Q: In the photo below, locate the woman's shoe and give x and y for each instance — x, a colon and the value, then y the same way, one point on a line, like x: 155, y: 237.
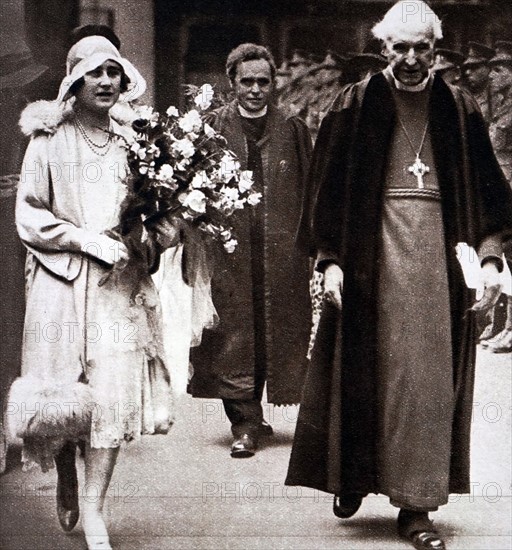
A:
x: 67, y: 518
x: 97, y: 542
x: 346, y: 506
x: 67, y: 488
x: 95, y: 531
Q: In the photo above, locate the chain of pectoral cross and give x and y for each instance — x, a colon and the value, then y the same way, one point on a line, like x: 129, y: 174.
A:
x: 418, y: 168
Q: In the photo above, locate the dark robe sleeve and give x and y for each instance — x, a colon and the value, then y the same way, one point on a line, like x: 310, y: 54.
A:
x: 328, y: 179
x: 490, y: 250
x: 304, y: 145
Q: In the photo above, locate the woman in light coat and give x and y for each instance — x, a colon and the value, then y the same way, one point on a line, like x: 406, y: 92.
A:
x: 92, y: 349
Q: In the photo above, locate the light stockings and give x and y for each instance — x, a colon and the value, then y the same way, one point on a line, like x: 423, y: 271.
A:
x: 99, y: 466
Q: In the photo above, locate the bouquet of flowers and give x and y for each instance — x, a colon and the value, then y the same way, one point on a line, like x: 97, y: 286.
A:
x: 181, y: 168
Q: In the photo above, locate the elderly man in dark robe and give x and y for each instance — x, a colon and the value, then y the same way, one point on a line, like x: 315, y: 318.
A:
x: 404, y: 171
x: 261, y: 290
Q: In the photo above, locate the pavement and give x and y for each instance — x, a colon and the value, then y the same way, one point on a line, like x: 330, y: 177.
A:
x: 183, y: 491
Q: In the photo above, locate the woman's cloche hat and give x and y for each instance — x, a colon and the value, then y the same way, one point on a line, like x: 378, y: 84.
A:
x: 91, y: 52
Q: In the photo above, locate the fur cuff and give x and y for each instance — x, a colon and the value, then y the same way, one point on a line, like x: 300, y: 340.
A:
x: 36, y: 410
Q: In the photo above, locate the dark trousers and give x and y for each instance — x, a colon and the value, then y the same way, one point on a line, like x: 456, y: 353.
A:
x: 245, y: 416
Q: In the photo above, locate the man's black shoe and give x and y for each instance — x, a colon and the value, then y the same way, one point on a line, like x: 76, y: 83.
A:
x: 244, y: 447
x: 346, y: 506
x: 266, y: 429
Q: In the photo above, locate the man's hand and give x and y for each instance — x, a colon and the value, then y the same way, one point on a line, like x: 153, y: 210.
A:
x: 167, y: 233
x: 333, y: 284
x: 490, y: 277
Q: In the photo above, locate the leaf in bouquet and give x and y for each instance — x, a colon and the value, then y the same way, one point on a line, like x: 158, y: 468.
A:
x: 106, y: 277
x: 114, y: 234
x: 163, y: 143
x: 141, y: 125
x: 190, y: 90
x: 136, y: 181
x: 155, y: 131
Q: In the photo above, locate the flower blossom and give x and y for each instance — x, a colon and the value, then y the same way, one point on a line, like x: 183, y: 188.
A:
x: 165, y: 173
x: 172, y: 111
x: 195, y: 201
x: 246, y: 181
x: 182, y: 165
x: 204, y: 98
x: 230, y: 193
x: 184, y: 146
x: 254, y: 198
x: 209, y: 131
x: 145, y: 111
x: 230, y: 246
x: 190, y: 121
x: 228, y: 166
x: 200, y: 180
x: 225, y: 235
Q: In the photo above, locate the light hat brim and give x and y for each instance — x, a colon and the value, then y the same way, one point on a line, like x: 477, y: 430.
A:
x: 136, y: 86
x: 443, y: 66
x: 501, y: 59
x: 474, y: 61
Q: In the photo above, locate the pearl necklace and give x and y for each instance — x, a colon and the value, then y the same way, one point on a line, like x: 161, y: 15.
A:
x: 82, y: 193
x: 97, y: 148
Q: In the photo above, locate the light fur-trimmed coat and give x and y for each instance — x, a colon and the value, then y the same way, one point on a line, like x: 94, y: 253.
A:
x: 75, y: 330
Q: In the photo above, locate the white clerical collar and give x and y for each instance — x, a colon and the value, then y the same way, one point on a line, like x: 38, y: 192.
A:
x: 252, y: 114
x: 400, y: 86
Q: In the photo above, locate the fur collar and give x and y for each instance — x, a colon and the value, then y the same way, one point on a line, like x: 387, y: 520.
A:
x: 44, y: 117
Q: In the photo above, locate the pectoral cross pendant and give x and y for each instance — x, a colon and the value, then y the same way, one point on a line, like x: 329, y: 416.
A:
x: 419, y: 169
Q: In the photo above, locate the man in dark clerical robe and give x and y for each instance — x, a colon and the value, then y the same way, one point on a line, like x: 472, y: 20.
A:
x: 402, y: 171
x: 261, y: 290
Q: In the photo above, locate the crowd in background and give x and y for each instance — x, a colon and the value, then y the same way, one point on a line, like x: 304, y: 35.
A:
x: 307, y: 83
